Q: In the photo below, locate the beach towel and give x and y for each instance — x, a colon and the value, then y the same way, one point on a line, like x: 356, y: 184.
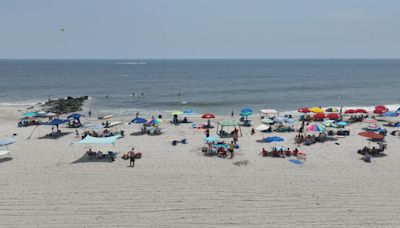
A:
x: 295, y: 161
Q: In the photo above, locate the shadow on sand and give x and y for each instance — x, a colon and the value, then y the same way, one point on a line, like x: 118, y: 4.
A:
x: 86, y: 159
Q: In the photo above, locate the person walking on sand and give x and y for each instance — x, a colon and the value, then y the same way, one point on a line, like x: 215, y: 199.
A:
x: 90, y: 113
x: 131, y: 155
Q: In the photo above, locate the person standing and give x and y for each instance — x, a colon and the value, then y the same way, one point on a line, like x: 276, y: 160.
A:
x: 131, y: 155
x: 90, y: 113
x: 231, y: 148
x: 232, y: 113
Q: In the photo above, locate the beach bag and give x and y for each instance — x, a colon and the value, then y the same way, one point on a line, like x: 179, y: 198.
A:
x: 138, y: 155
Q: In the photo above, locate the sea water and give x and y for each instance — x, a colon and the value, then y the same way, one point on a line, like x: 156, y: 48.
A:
x: 217, y: 86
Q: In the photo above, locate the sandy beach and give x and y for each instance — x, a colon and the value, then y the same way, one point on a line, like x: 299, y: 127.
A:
x: 48, y: 184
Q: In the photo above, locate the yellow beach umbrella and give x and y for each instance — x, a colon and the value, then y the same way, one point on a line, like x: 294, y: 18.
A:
x: 177, y: 113
x: 316, y: 110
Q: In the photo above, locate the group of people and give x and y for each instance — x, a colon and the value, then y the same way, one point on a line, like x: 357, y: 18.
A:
x: 279, y: 153
x: 309, y: 139
x: 104, y: 133
x: 223, y: 152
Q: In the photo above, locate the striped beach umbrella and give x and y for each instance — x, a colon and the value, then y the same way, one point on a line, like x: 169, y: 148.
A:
x: 316, y: 127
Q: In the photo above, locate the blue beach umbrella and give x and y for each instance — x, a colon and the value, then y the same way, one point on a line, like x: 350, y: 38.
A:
x: 188, y: 112
x: 342, y: 123
x: 273, y: 139
x: 138, y: 121
x: 212, y: 139
x: 390, y: 114
x: 246, y: 113
x: 29, y: 114
x: 56, y: 122
x: 247, y: 110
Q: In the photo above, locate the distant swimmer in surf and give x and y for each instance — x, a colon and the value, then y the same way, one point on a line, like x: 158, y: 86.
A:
x: 133, y: 94
x: 142, y: 94
x: 107, y: 96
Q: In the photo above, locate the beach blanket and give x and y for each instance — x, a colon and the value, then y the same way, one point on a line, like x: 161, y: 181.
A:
x: 295, y: 161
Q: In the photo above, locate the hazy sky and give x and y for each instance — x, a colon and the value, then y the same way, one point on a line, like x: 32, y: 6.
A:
x: 200, y: 29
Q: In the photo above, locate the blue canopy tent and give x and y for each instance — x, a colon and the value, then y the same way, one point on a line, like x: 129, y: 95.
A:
x: 75, y: 116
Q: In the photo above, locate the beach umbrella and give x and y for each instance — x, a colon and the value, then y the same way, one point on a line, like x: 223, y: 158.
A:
x: 154, y: 121
x: 7, y: 141
x: 247, y: 110
x: 138, y: 120
x: 316, y: 127
x: 279, y: 119
x: 41, y: 114
x: 212, y: 139
x: 208, y: 116
x: 267, y: 121
x: 379, y: 111
x: 333, y: 116
x: 360, y: 110
x: 188, y: 112
x: 178, y: 113
x: 50, y: 114
x: 331, y: 110
x: 319, y: 115
x: 342, y: 123
x: 398, y: 110
x: 246, y: 113
x: 350, y: 111
x: 269, y: 111
x: 56, y: 122
x: 304, y: 110
x: 329, y: 123
x: 373, y: 127
x: 371, y: 135
x: 316, y: 110
x: 289, y: 120
x: 381, y: 107
x: 29, y: 114
x: 74, y: 116
x: 370, y: 120
x: 262, y: 127
x: 273, y: 139
x: 390, y: 114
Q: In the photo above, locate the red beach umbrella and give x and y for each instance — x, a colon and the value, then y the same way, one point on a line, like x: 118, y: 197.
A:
x: 371, y: 135
x: 379, y: 111
x: 380, y: 107
x: 304, y: 110
x: 360, y: 110
x: 319, y: 115
x: 333, y: 116
x: 208, y: 116
x: 350, y: 111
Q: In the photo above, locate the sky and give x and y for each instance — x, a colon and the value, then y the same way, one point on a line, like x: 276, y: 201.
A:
x: 199, y: 29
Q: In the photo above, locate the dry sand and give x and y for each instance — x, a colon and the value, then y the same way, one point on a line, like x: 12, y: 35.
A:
x: 176, y: 186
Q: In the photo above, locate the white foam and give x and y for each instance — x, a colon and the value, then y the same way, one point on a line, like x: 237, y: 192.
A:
x: 132, y: 63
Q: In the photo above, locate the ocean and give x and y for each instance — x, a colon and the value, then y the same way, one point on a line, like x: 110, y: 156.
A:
x: 217, y: 86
